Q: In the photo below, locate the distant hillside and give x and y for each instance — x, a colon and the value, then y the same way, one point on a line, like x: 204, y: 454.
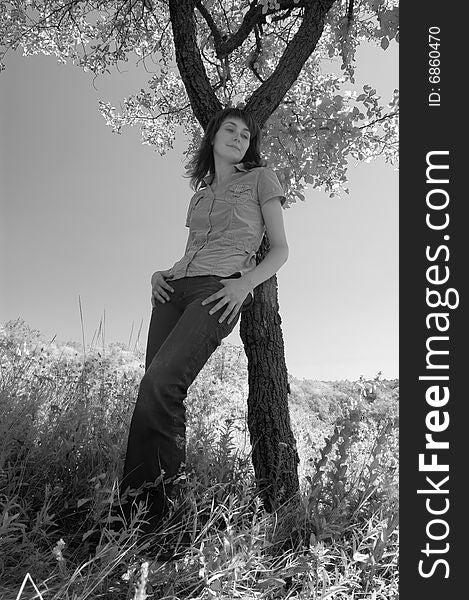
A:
x: 223, y: 380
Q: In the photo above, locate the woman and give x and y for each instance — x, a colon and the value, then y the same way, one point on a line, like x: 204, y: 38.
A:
x: 197, y: 302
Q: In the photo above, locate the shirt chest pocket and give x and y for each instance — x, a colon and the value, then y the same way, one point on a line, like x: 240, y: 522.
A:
x: 239, y: 193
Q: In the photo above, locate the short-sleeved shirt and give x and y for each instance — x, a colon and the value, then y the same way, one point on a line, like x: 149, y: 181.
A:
x: 226, y: 228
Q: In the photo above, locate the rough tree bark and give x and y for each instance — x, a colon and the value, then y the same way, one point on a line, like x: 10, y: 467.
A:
x: 274, y: 453
x: 275, y: 457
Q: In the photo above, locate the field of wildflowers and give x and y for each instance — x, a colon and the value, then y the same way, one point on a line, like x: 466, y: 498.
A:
x: 65, y: 414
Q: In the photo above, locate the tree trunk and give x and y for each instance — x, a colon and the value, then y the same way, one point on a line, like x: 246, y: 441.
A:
x: 274, y: 453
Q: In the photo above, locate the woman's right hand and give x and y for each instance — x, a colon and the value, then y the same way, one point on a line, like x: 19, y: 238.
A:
x: 159, y: 287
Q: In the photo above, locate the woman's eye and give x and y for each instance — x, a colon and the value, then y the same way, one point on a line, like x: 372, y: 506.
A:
x: 230, y: 130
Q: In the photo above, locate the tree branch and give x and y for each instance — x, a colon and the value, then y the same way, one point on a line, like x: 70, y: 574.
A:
x: 224, y: 44
x: 268, y: 96
x: 255, y: 55
x: 386, y: 116
x: 189, y: 61
x: 210, y: 22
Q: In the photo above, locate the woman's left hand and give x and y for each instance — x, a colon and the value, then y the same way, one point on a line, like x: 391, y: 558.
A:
x: 232, y: 296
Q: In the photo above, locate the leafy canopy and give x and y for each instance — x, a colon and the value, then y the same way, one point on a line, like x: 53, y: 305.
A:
x: 320, y: 123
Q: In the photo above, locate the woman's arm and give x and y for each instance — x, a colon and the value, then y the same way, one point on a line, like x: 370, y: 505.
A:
x: 278, y: 253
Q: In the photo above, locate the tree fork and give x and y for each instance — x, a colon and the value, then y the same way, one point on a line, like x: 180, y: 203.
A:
x: 266, y: 99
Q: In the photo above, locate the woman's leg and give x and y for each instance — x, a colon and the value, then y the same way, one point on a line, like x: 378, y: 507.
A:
x: 163, y: 318
x: 157, y: 433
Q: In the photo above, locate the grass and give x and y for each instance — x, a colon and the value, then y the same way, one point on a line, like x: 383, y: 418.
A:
x: 63, y: 431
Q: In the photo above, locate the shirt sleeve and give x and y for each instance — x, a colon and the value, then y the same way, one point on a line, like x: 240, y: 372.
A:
x: 188, y: 217
x: 268, y: 186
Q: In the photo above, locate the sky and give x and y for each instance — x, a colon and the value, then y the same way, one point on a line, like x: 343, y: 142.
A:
x: 86, y: 217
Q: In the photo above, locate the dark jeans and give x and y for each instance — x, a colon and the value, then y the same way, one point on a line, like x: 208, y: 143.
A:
x: 182, y: 336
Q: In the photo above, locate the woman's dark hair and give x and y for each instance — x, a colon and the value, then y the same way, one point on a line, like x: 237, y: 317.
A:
x: 202, y: 162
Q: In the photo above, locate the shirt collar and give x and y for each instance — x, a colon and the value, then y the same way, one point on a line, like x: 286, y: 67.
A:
x: 209, y: 177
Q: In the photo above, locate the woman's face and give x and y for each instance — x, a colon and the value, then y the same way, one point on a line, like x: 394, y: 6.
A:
x: 231, y: 141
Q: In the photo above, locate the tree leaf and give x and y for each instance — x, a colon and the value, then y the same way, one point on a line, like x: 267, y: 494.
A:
x: 384, y: 43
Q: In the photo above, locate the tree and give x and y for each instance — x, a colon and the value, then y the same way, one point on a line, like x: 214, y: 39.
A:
x: 265, y: 55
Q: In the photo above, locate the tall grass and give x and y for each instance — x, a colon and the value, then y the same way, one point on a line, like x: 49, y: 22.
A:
x: 64, y: 425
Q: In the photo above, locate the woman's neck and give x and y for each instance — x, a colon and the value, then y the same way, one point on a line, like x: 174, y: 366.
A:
x: 223, y: 171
